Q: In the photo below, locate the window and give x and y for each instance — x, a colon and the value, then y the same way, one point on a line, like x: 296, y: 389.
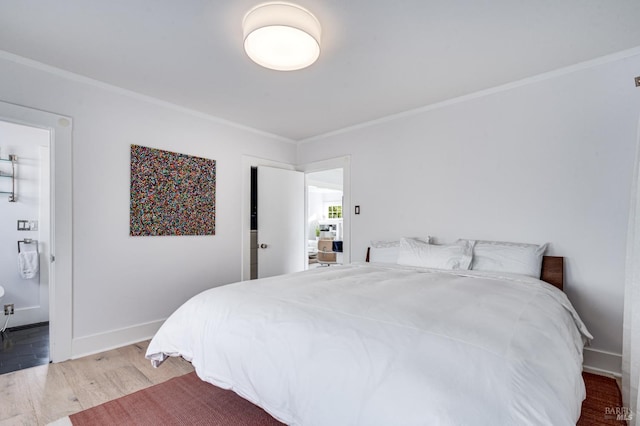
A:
x: 335, y: 212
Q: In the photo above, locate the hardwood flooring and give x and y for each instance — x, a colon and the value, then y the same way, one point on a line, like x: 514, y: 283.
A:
x: 24, y: 347
x: 46, y: 393
x: 43, y: 394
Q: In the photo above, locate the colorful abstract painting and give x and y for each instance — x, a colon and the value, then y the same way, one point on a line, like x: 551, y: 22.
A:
x: 171, y: 193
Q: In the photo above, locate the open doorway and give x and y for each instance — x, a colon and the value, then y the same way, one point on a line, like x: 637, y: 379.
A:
x: 325, y: 222
x: 24, y: 252
x: 331, y: 180
x: 58, y: 261
x: 306, y: 234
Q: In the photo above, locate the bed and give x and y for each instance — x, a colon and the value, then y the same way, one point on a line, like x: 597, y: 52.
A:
x: 382, y: 343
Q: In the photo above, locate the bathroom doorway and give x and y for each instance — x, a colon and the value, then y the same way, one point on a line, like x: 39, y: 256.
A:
x: 60, y: 262
x: 25, y: 233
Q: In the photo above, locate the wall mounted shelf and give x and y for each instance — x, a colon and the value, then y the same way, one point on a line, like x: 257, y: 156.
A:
x: 13, y: 160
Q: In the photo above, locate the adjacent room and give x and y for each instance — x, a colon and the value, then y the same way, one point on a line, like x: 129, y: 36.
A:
x: 325, y: 224
x: 428, y: 217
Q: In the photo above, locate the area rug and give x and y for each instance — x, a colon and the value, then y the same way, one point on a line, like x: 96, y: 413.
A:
x: 603, y: 405
x: 184, y: 400
x: 187, y: 400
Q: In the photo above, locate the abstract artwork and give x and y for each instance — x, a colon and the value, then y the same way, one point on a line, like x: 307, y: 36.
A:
x: 171, y: 193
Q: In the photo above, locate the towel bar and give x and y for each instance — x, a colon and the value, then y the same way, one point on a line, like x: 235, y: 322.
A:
x: 13, y: 159
x: 28, y: 241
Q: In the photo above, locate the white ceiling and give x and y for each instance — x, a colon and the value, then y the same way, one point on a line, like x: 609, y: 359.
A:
x: 378, y: 57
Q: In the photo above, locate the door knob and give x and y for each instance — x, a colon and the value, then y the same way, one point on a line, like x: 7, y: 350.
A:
x: 263, y: 246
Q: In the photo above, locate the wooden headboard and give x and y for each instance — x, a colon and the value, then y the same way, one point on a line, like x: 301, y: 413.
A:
x: 552, y: 270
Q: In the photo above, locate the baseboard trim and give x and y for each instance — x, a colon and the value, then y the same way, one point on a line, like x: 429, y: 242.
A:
x: 96, y: 343
x: 27, y: 326
x: 26, y: 316
x: 602, y: 362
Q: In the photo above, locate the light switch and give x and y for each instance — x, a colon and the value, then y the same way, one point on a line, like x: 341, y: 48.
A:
x: 27, y: 225
x: 357, y: 209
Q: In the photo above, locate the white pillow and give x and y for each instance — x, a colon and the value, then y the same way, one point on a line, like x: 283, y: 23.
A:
x: 516, y: 258
x: 387, y: 251
x: 418, y: 253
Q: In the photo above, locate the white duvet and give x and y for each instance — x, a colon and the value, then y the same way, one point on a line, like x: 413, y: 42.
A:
x: 369, y: 344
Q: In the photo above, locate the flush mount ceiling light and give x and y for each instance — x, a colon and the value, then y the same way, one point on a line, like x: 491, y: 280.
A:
x: 281, y: 36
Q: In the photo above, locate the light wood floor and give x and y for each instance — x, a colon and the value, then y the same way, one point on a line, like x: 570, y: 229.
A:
x: 43, y: 394
x: 40, y: 395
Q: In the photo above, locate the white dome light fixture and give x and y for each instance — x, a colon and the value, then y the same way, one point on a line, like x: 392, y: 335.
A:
x: 281, y: 36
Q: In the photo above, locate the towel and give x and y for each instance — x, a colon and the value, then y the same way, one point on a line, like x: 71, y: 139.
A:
x: 28, y: 262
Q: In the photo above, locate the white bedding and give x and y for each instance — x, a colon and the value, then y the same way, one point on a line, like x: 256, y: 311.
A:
x: 380, y: 344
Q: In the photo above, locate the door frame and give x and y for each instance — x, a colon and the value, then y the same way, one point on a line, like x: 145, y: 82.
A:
x: 343, y: 163
x: 61, y: 224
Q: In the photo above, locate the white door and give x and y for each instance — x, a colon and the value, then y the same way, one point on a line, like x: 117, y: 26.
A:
x: 281, y: 242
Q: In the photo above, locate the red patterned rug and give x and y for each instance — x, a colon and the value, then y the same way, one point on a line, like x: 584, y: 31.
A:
x: 187, y: 400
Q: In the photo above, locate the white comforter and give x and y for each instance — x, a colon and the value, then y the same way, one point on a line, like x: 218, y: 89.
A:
x: 386, y: 345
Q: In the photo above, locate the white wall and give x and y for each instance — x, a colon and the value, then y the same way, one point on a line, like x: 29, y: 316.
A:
x: 546, y: 161
x: 123, y: 286
x: 30, y: 301
x: 314, y: 212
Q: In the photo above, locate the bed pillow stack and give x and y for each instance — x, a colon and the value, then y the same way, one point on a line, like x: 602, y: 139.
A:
x: 425, y: 255
x: 515, y: 258
x: 387, y: 251
x: 493, y: 256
